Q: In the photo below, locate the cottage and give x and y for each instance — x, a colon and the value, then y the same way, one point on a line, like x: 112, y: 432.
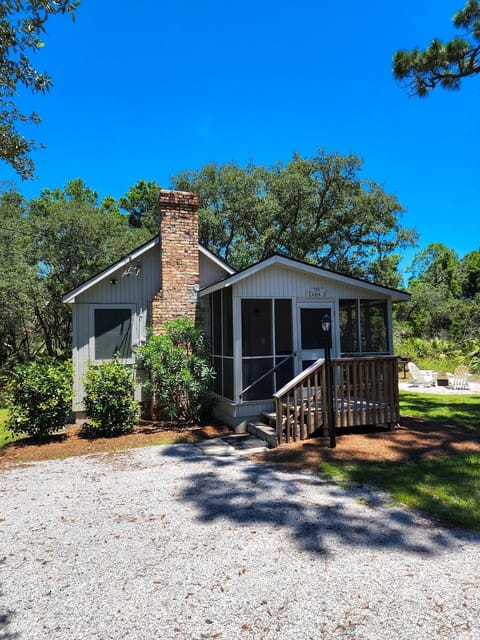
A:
x: 265, y: 325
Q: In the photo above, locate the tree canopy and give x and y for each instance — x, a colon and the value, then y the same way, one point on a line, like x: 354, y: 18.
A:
x: 21, y: 26
x: 314, y: 209
x: 48, y: 246
x: 443, y: 64
x: 445, y: 295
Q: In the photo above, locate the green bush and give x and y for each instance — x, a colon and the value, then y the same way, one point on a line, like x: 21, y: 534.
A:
x: 109, y: 398
x: 39, y: 397
x: 178, y: 370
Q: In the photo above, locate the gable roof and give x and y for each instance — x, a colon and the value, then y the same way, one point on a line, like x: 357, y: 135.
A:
x: 304, y: 267
x: 70, y: 296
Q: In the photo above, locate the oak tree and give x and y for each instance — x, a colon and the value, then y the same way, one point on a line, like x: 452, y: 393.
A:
x: 22, y: 24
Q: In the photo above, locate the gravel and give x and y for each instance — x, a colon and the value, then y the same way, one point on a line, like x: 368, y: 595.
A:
x: 176, y: 542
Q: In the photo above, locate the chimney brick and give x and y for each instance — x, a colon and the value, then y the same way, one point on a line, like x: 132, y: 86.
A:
x: 179, y: 259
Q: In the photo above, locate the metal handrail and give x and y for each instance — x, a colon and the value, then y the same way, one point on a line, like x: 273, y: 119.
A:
x: 264, y: 375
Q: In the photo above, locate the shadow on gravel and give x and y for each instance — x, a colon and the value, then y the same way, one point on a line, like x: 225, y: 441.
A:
x: 316, y: 513
x: 5, y: 616
x: 4, y: 633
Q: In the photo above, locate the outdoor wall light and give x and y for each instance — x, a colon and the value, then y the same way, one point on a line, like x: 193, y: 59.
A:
x: 326, y: 323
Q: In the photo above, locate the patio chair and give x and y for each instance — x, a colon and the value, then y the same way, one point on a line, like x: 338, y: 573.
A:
x: 458, y: 380
x: 422, y: 377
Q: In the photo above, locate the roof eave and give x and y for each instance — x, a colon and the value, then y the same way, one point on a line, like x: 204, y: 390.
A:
x: 394, y: 294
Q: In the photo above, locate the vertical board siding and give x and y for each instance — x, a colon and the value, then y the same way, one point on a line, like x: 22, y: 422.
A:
x: 279, y: 282
x: 210, y: 271
x: 132, y: 289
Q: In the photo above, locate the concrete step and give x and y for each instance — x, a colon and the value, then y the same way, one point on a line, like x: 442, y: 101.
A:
x: 269, y: 418
x: 263, y: 431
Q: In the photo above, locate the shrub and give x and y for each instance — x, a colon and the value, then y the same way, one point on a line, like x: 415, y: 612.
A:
x: 109, y: 398
x: 179, y: 374
x: 39, y: 397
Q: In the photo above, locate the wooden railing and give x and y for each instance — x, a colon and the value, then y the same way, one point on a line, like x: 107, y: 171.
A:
x: 364, y: 392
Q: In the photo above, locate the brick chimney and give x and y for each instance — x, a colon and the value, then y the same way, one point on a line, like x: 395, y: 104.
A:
x: 179, y: 258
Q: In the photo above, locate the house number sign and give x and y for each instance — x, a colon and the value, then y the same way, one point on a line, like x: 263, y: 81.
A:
x: 316, y: 292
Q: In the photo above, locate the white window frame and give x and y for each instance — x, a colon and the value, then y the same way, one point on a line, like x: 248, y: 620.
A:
x: 134, y: 333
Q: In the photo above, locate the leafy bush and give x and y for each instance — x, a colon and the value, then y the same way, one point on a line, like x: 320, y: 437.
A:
x: 179, y: 374
x: 438, y: 354
x: 39, y: 397
x: 109, y: 398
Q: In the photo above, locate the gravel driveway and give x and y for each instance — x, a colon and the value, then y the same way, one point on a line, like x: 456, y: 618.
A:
x: 174, y: 543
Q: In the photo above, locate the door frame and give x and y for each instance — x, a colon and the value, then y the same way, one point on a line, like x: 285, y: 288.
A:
x: 312, y: 354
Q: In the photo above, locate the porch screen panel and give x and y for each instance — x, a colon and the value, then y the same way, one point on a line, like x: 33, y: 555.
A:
x: 113, y: 333
x: 221, y: 339
x: 228, y: 377
x: 374, y: 327
x: 283, y: 342
x: 348, y: 326
x: 227, y: 323
x: 283, y: 327
x: 217, y: 364
x: 252, y: 370
x: 311, y: 328
x: 256, y: 327
x: 216, y: 310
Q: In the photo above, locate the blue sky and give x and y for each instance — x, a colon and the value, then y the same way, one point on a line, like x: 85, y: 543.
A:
x: 149, y: 89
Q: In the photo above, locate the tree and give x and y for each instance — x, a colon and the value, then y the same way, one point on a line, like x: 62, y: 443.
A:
x: 17, y: 281
x: 470, y: 274
x: 21, y: 25
x: 435, y: 266
x: 141, y: 203
x: 445, y: 296
x: 444, y: 64
x: 312, y: 209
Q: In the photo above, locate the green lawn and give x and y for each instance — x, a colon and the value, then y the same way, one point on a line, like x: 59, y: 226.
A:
x: 459, y: 410
x: 5, y: 436
x: 448, y: 487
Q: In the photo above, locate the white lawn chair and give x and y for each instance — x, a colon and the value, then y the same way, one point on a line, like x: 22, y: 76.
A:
x: 422, y: 377
x: 458, y: 380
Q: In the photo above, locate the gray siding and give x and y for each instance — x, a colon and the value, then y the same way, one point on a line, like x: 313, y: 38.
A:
x: 210, y: 271
x: 128, y: 290
x: 134, y: 290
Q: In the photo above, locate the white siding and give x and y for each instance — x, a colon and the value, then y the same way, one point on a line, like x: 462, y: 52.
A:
x: 279, y: 281
x: 239, y: 415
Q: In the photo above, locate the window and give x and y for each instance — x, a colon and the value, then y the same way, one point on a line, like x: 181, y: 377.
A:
x: 112, y: 333
x: 363, y: 326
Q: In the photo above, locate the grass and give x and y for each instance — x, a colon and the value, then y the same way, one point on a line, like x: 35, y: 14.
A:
x: 460, y: 411
x: 448, y: 486
x: 6, y: 436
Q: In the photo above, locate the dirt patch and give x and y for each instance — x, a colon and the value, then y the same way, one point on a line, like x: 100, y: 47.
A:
x: 413, y: 440
x: 72, y: 442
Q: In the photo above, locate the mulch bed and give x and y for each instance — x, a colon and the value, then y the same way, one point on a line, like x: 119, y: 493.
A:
x: 73, y: 442
x: 414, y: 439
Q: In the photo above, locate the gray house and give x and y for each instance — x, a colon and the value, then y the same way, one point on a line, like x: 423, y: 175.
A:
x: 264, y: 323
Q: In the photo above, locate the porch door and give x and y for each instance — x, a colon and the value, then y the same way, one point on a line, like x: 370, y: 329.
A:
x: 310, y: 334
